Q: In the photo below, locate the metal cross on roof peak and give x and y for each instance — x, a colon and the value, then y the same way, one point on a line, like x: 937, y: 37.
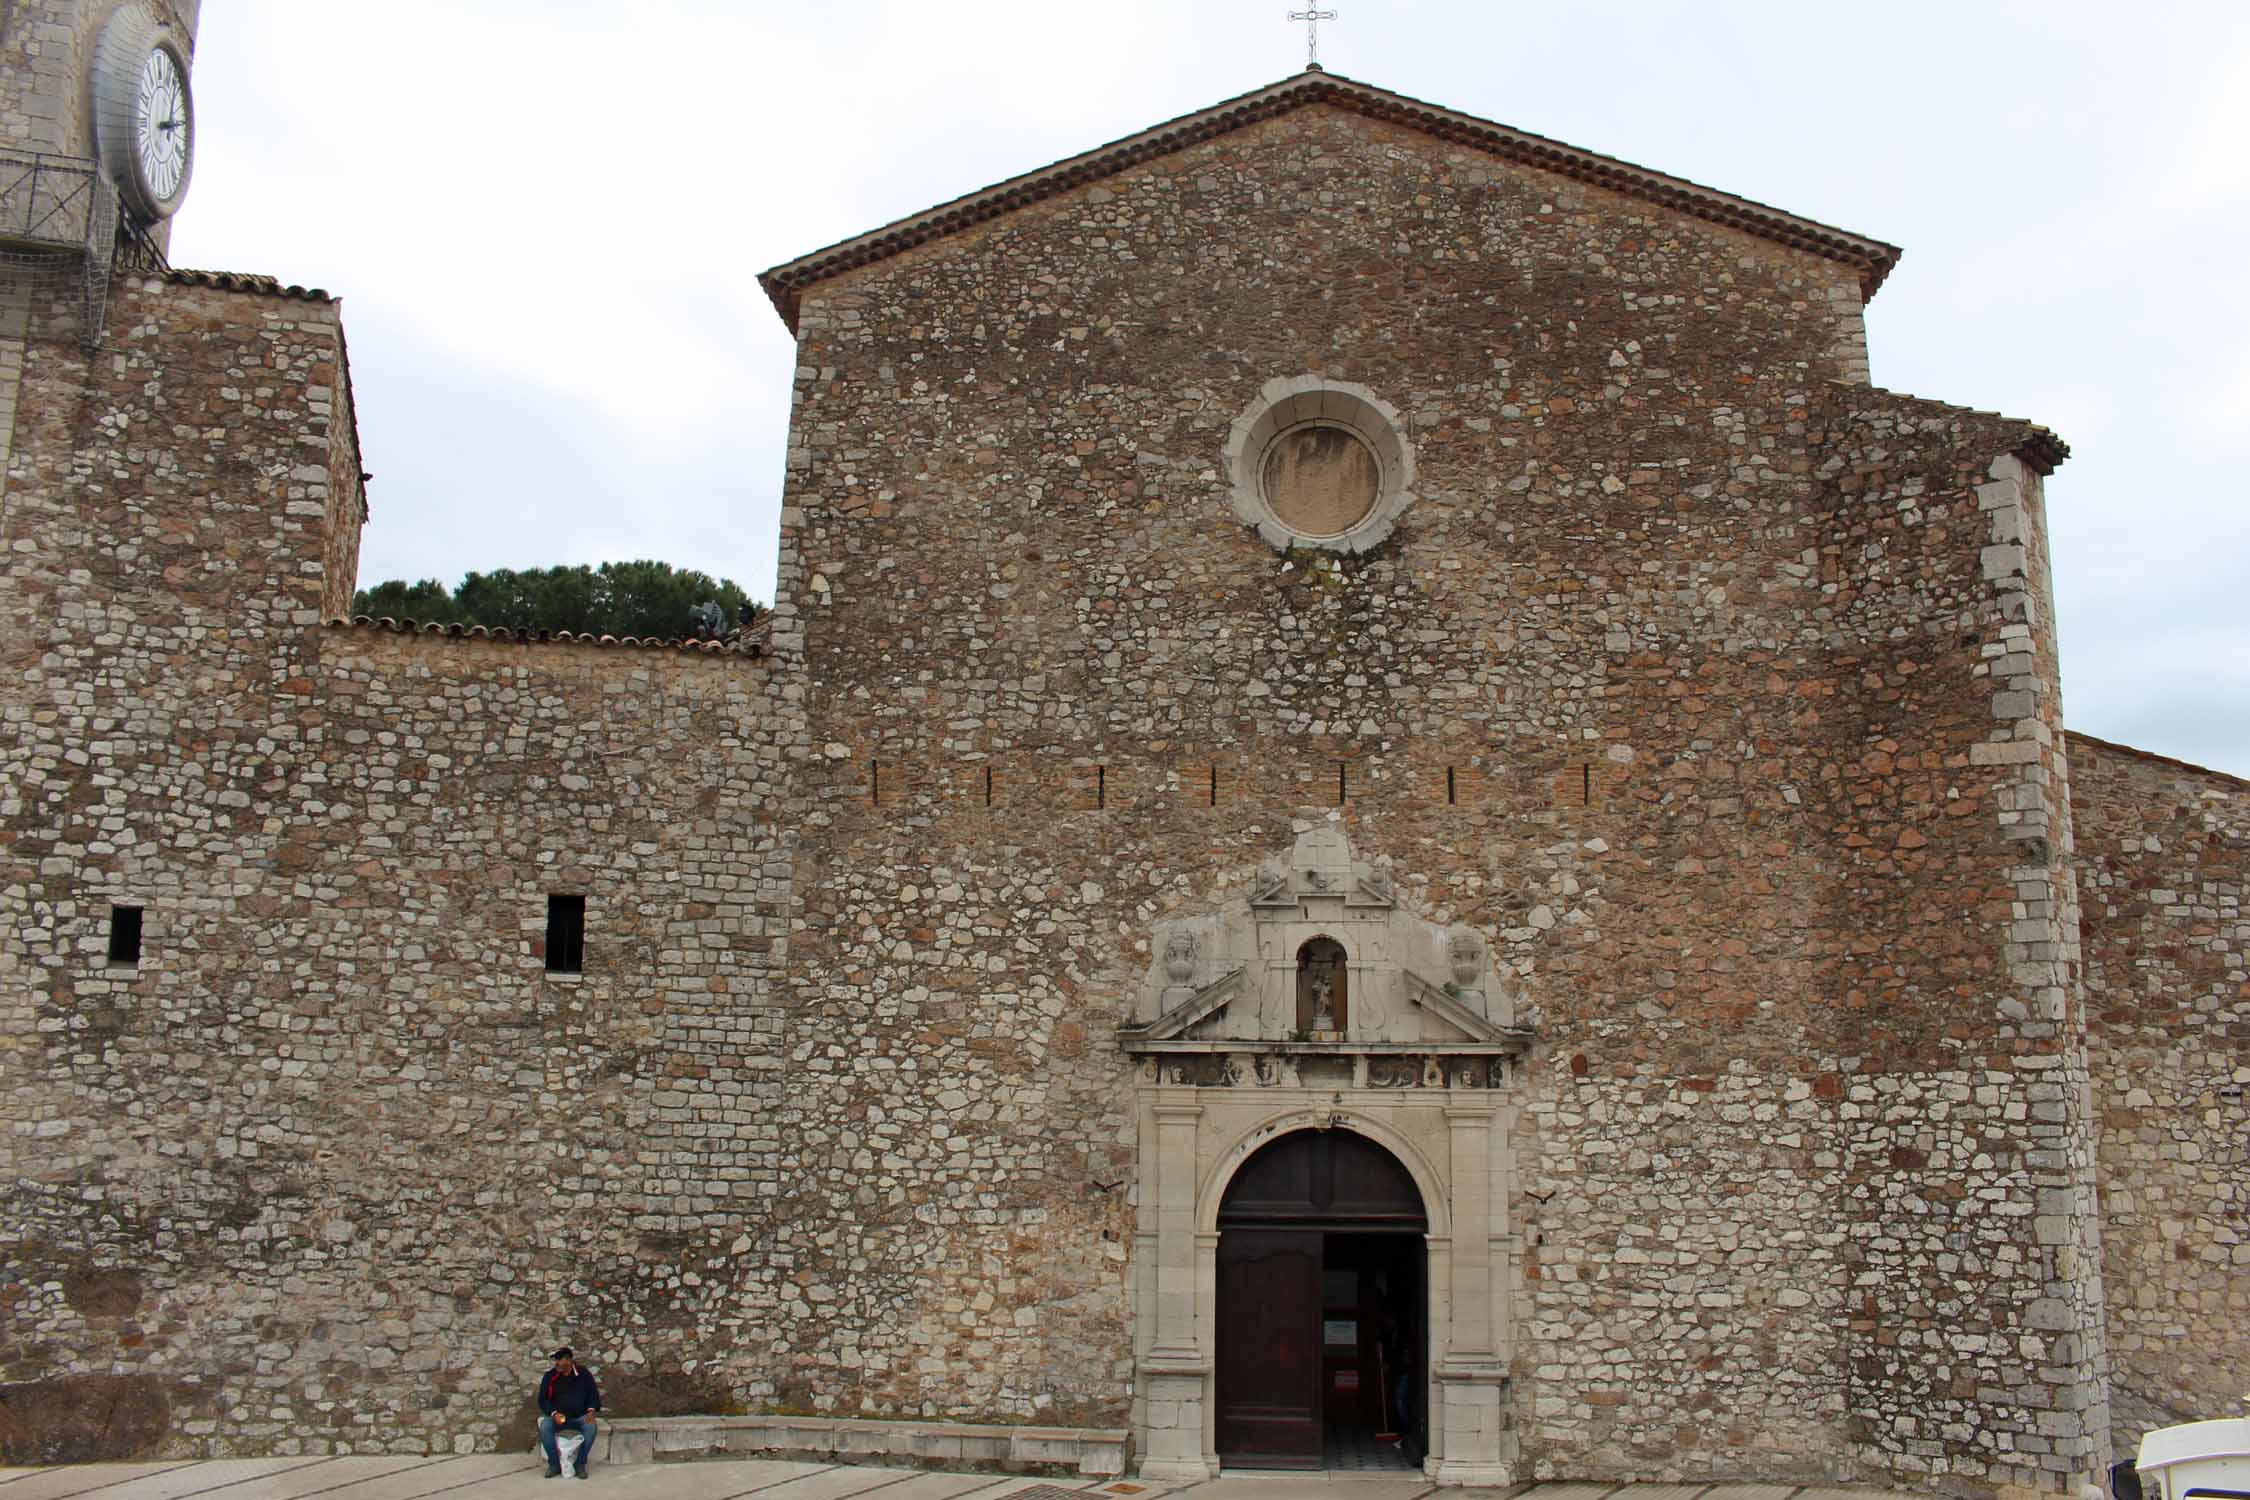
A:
x: 1312, y: 19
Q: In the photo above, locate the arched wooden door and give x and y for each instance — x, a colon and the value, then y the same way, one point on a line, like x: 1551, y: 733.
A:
x: 1275, y: 1224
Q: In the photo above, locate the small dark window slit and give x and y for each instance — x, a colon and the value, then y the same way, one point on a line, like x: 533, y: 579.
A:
x: 1449, y: 786
x: 988, y: 786
x: 1586, y: 785
x: 566, y: 934
x: 125, y: 935
x: 1340, y: 783
x: 1101, y: 786
x: 1214, y: 786
x: 874, y: 783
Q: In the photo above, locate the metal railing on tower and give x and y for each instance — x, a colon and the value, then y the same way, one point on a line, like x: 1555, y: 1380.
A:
x: 58, y: 226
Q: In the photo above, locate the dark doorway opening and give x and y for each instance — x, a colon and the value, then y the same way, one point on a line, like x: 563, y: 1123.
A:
x: 1322, y: 1309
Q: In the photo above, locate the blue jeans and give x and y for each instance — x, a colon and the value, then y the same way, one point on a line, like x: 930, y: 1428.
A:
x: 585, y: 1424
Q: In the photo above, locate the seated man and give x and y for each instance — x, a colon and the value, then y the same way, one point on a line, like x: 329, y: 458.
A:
x: 568, y: 1398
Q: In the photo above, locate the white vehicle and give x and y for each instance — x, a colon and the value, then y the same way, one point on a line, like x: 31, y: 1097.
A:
x: 2197, y: 1461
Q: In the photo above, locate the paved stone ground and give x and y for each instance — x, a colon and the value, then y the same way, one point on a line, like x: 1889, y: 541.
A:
x: 492, y: 1476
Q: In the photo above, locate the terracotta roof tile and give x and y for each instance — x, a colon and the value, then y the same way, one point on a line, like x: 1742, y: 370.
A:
x: 1872, y: 258
x: 246, y: 281
x: 750, y: 643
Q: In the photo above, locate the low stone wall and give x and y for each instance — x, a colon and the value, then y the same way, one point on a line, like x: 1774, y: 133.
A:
x: 1079, y: 1450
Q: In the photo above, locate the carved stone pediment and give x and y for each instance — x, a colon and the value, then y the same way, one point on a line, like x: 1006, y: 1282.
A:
x: 1318, y: 966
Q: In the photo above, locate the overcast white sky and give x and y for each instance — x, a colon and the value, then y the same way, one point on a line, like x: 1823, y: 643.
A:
x: 546, y: 218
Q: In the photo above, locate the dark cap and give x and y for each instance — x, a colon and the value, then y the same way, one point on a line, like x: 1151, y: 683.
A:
x: 562, y: 1353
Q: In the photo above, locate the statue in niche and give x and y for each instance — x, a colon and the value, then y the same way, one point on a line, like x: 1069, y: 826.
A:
x: 1323, y: 986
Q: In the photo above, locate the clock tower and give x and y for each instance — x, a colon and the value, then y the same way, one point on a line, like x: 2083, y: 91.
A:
x: 97, y: 126
x: 47, y: 58
x: 97, y: 140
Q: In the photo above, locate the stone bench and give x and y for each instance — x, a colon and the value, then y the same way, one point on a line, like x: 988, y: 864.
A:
x: 1018, y: 1450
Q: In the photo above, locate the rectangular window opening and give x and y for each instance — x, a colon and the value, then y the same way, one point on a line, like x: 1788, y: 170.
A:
x: 1340, y: 783
x: 874, y: 783
x: 1101, y: 786
x: 1586, y: 785
x: 566, y: 934
x: 1214, y: 786
x: 125, y: 936
x: 988, y: 786
x: 1449, y: 785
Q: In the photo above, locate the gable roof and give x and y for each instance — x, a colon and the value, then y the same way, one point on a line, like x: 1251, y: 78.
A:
x: 1873, y: 259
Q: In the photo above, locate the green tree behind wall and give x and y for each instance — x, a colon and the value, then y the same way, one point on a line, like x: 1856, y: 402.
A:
x: 642, y: 598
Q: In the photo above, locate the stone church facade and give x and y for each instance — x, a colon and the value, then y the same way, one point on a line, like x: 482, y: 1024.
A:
x: 1377, y: 759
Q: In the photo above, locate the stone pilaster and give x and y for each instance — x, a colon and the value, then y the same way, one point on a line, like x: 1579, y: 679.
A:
x: 1468, y: 1437
x: 1176, y: 1368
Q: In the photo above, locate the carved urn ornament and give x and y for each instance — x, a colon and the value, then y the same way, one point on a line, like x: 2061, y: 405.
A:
x: 1179, y: 957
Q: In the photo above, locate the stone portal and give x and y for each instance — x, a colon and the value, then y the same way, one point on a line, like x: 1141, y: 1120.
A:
x: 1314, y: 1007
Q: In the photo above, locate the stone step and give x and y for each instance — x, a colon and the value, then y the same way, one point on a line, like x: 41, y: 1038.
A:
x: 1028, y: 1450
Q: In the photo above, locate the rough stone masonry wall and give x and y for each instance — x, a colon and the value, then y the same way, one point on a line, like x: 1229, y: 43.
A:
x: 154, y: 605
x: 337, y: 1162
x: 1704, y: 771
x: 2163, y: 862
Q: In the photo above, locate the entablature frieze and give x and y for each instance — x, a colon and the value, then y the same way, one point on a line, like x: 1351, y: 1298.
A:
x: 1517, y: 1042
x: 1324, y: 1067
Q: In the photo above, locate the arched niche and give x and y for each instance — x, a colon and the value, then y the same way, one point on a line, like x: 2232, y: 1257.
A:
x: 1323, y: 987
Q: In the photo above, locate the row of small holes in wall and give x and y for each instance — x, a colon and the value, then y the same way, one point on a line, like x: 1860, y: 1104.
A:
x: 566, y: 935
x: 1575, y: 786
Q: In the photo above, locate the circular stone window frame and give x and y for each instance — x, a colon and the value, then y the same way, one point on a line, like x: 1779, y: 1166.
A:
x: 1288, y: 404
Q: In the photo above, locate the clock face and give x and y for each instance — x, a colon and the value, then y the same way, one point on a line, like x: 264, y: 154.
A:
x: 163, y: 130
x: 143, y: 116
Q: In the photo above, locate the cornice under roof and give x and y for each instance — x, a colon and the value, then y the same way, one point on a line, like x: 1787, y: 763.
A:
x: 1873, y: 259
